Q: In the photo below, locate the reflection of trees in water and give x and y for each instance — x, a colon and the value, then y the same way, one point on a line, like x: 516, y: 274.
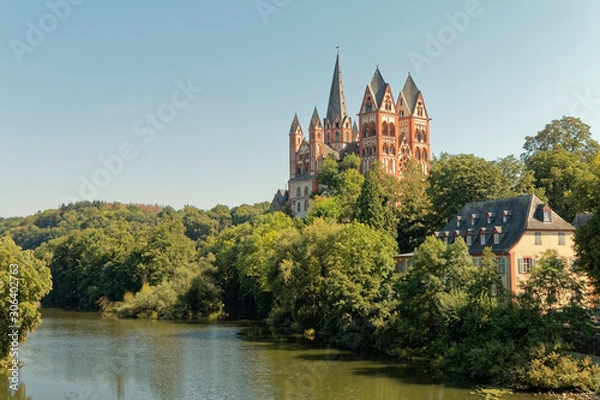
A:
x: 7, y: 393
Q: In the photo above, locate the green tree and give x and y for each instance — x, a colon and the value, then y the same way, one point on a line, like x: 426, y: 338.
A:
x: 375, y: 205
x: 559, y: 172
x: 568, y: 133
x: 335, y: 279
x: 324, y: 207
x: 414, y: 207
x: 34, y: 282
x: 522, y: 180
x: 460, y: 179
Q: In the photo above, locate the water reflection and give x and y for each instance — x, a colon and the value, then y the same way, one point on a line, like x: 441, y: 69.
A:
x: 81, y: 356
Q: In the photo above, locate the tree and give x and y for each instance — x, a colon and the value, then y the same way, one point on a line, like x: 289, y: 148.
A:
x: 25, y: 281
x: 569, y: 133
x: 587, y: 236
x: 522, y: 180
x: 336, y: 279
x: 374, y: 207
x: 414, y: 207
x: 324, y: 207
x: 552, y: 285
x: 460, y: 179
x: 559, y: 172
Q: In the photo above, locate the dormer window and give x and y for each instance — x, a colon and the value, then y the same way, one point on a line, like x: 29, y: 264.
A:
x: 496, y: 238
x: 505, y: 215
x: 458, y: 221
x: 547, y: 214
x: 445, y: 237
x: 482, y: 238
x: 473, y: 219
x: 490, y: 217
x: 469, y: 238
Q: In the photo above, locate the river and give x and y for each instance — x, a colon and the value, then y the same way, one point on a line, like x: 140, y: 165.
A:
x: 83, y: 356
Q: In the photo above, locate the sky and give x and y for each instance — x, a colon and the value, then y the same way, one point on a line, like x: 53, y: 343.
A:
x: 191, y: 101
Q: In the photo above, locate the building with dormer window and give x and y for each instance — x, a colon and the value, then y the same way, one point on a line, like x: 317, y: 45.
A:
x: 517, y: 229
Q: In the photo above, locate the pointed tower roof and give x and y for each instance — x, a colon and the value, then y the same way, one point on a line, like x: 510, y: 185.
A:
x: 354, y: 129
x: 315, y: 121
x: 410, y: 91
x: 337, y: 100
x: 295, y: 125
x: 378, y: 86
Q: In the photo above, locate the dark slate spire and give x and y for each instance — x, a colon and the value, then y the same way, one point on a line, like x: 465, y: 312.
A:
x: 410, y: 91
x: 377, y: 87
x: 315, y: 121
x: 354, y: 131
x: 295, y: 125
x: 337, y: 100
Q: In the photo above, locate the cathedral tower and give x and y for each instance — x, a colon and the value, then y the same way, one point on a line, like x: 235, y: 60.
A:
x: 414, y: 134
x: 338, y: 125
x: 378, y: 122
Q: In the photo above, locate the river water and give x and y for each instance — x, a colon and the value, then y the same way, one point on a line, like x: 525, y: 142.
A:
x: 83, y: 356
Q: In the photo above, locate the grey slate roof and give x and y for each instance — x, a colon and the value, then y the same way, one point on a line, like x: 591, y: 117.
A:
x: 337, y: 99
x: 351, y: 148
x: 279, y: 202
x: 295, y: 124
x: 410, y: 92
x: 377, y: 87
x: 581, y: 219
x: 524, y: 213
x: 315, y: 120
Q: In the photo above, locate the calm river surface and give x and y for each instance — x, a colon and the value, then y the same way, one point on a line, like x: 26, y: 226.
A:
x: 82, y: 356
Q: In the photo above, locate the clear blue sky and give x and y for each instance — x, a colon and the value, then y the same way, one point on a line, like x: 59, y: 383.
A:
x: 85, y: 89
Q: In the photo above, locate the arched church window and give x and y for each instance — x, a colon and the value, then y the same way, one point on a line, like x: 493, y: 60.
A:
x: 298, y: 206
x: 337, y: 136
x: 306, y: 191
x: 298, y: 192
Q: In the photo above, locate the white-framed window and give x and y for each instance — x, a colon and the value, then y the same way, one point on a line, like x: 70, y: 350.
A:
x: 538, y: 238
x: 469, y: 240
x: 561, y: 238
x: 526, y: 265
x: 482, y: 239
x: 547, y: 216
x: 496, y: 238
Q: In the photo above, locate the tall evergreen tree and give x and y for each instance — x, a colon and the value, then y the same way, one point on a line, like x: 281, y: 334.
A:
x: 374, y: 207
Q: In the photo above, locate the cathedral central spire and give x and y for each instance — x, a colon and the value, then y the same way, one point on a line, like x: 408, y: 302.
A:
x: 337, y: 100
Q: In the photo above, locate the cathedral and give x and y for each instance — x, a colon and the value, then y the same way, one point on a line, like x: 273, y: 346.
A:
x: 389, y: 131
